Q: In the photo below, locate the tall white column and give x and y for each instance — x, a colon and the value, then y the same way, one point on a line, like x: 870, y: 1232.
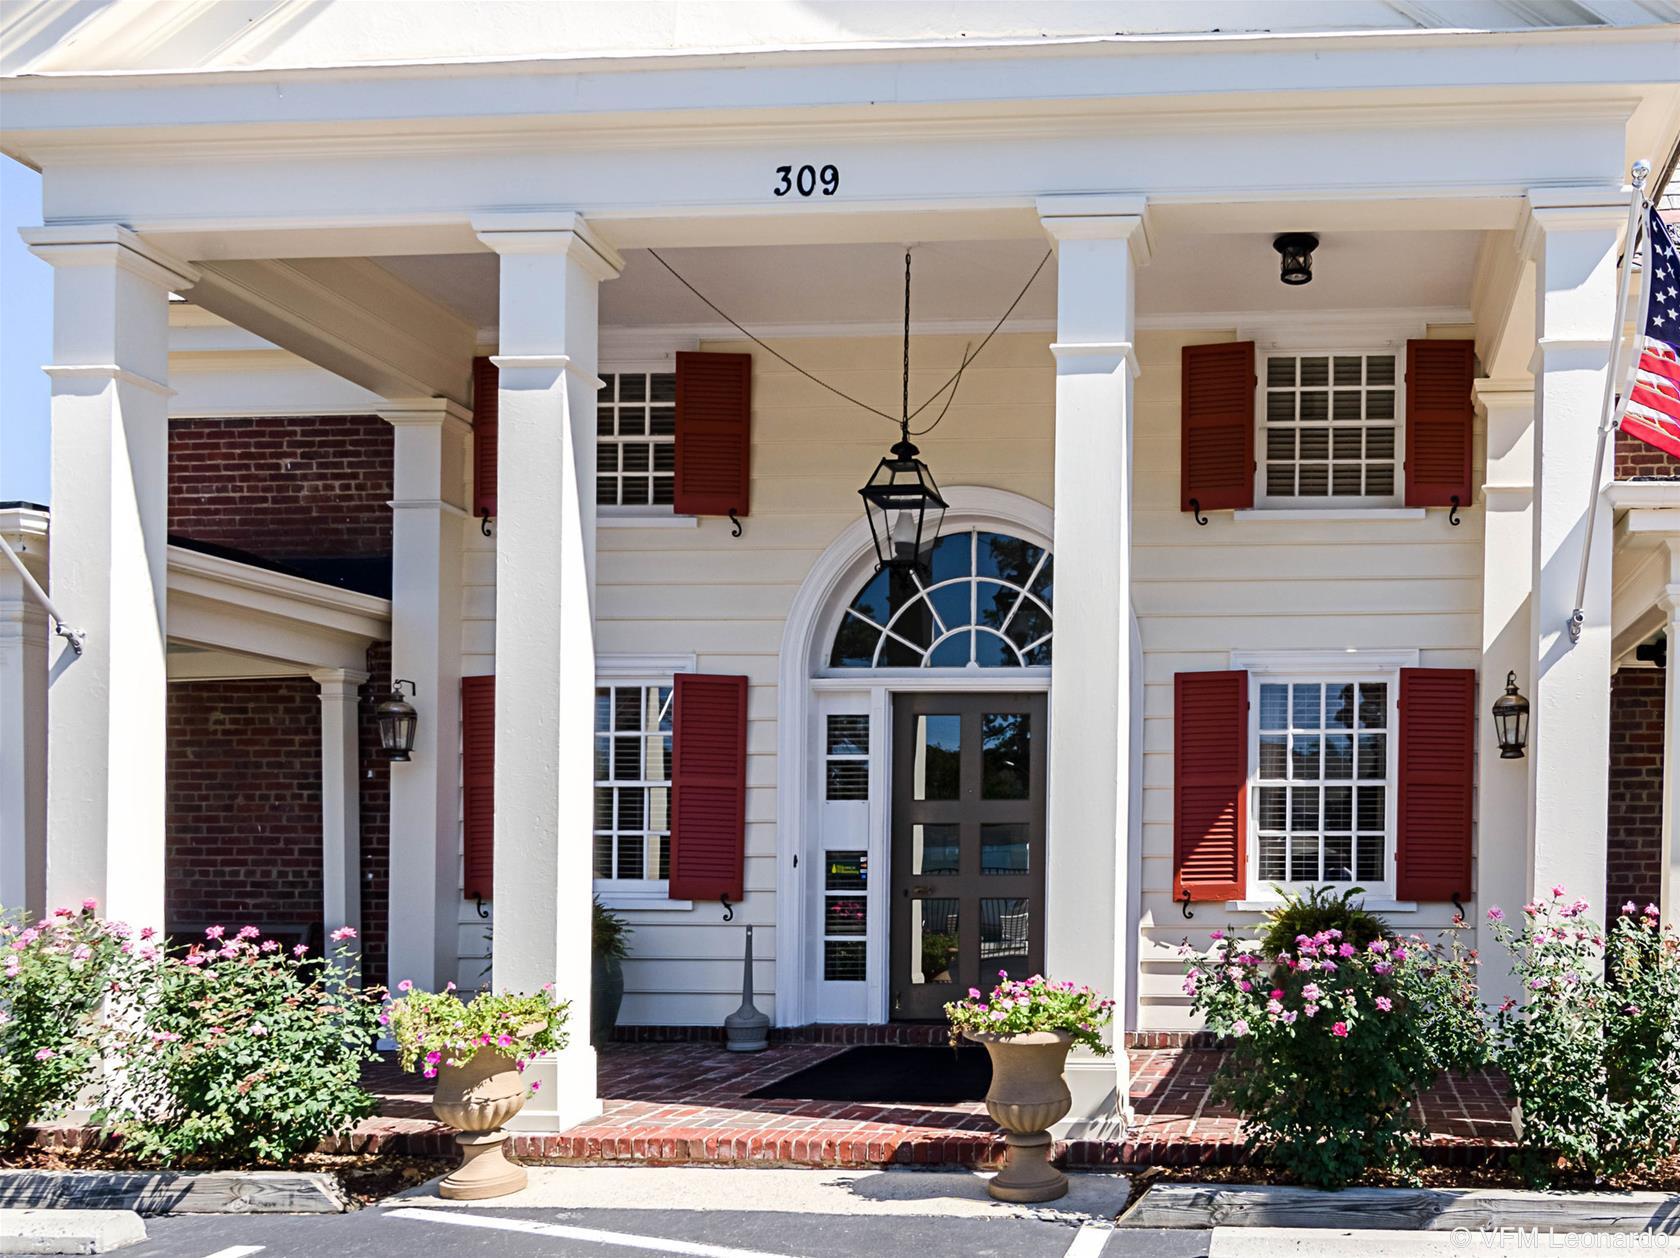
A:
x: 105, y: 720
x: 1507, y: 574
x: 1573, y: 236
x: 551, y: 269
x: 341, y: 801
x: 429, y: 511
x: 1669, y: 895
x: 1090, y: 928
x: 23, y: 717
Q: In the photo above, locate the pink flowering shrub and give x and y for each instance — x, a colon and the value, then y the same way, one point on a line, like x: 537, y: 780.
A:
x: 437, y: 1029
x: 1017, y: 1006
x: 1330, y: 1042
x: 241, y: 1050
x: 1592, y: 1051
x: 55, y: 975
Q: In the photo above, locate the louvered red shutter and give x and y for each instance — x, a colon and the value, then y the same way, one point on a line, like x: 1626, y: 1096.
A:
x: 1210, y: 785
x: 1439, y: 418
x: 478, y: 786
x: 1216, y: 427
x: 708, y: 787
x: 486, y: 383
x: 1437, y: 783
x: 714, y: 434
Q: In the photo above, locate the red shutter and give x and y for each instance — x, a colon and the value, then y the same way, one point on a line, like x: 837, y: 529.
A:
x: 478, y: 786
x: 708, y: 787
x: 1439, y: 419
x: 714, y: 433
x: 486, y: 380
x: 1210, y: 785
x: 1437, y: 782
x: 1216, y: 428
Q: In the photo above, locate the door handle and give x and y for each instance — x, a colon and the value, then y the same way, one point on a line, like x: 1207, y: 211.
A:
x: 919, y: 891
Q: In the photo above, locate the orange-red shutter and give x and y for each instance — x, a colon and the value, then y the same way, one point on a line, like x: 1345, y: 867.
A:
x: 485, y: 399
x: 478, y: 786
x: 1216, y: 449
x: 1210, y: 785
x: 708, y: 787
x: 1439, y: 418
x: 714, y: 434
x: 1437, y: 783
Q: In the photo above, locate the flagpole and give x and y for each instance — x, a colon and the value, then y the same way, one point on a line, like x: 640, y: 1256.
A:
x: 1607, y: 410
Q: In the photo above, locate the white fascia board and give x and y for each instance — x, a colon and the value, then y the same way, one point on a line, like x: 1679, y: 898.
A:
x: 1655, y: 494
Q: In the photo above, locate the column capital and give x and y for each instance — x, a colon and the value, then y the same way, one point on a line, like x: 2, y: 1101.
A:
x: 439, y: 412
x: 1669, y: 601
x: 1593, y: 207
x: 1111, y: 216
x: 549, y: 232
x: 338, y: 683
x: 109, y: 244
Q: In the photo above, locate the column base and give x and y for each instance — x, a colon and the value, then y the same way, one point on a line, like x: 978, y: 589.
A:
x: 565, y: 1092
x: 1101, y: 1110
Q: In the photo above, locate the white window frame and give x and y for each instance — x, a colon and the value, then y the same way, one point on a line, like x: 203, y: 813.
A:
x: 1319, y: 667
x: 636, y: 670
x: 1364, y: 504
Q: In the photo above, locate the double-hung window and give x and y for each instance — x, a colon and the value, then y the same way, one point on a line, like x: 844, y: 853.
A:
x: 1330, y: 429
x: 633, y: 786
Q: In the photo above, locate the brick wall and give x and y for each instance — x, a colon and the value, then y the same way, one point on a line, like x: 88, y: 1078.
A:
x: 1636, y: 766
x: 283, y: 488
x: 1635, y: 458
x: 376, y: 825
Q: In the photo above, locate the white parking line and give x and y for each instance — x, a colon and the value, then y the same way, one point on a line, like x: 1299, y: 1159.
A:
x: 658, y: 1244
x: 237, y: 1251
x: 1089, y: 1240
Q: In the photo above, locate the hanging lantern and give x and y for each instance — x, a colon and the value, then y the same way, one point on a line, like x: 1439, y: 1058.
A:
x: 1297, y: 250
x: 397, y: 717
x: 904, y: 508
x: 1510, y: 720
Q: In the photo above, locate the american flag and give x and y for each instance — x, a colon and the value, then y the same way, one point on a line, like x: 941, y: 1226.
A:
x: 1653, y: 405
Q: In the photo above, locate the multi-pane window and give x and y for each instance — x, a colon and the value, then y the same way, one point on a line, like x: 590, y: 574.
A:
x: 1323, y: 782
x: 845, y: 916
x: 635, y: 439
x: 633, y: 782
x: 1330, y: 427
x: 846, y: 762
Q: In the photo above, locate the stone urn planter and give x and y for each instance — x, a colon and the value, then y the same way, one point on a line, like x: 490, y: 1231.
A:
x: 1028, y: 1096
x: 478, y: 1099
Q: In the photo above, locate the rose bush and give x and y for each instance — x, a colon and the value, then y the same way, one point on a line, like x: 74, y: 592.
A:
x: 55, y: 976
x: 1017, y: 1006
x: 436, y: 1029
x: 1330, y: 1043
x: 240, y: 1050
x: 1592, y: 1051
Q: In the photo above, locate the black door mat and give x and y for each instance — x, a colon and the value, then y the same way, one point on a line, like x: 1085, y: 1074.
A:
x: 893, y: 1074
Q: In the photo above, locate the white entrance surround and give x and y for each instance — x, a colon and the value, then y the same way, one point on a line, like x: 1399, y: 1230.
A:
x: 105, y: 718
x: 551, y: 267
x: 806, y: 637
x: 23, y: 716
x: 341, y: 809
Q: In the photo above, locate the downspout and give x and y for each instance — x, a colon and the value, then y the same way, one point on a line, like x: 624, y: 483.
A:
x: 75, y: 637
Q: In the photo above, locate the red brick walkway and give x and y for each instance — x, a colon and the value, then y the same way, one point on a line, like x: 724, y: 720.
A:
x: 688, y: 1102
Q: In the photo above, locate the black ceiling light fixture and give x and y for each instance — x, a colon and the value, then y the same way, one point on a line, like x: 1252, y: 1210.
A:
x: 397, y: 718
x: 1297, y: 250
x: 902, y: 498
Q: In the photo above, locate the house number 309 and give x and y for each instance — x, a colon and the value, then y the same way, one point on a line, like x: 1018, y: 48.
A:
x: 806, y: 179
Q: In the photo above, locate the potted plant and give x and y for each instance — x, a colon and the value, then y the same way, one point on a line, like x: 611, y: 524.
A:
x: 477, y: 1052
x: 609, y: 947
x: 1028, y: 1026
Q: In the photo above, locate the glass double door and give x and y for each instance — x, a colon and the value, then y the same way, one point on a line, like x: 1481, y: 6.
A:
x: 967, y: 845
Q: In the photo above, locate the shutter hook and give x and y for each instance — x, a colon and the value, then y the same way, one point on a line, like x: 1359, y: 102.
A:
x: 484, y: 521
x: 1196, y: 511
x: 1458, y: 906
x: 1185, y: 906
x: 728, y: 908
x: 482, y: 911
x: 736, y: 521
x: 1452, y: 516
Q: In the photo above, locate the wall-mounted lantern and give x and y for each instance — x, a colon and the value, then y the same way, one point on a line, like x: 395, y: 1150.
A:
x: 1510, y: 720
x: 397, y: 718
x: 1297, y: 250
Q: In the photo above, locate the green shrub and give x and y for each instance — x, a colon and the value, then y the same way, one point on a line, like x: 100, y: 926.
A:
x: 54, y: 980
x: 239, y: 1051
x: 610, y: 934
x: 1330, y: 1043
x: 1592, y: 1058
x: 1319, y: 910
x: 435, y: 1029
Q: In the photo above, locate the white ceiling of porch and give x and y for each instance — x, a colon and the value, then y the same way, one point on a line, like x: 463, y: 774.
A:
x: 797, y: 287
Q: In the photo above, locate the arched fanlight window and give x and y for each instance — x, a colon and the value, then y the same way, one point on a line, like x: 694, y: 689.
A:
x: 984, y: 601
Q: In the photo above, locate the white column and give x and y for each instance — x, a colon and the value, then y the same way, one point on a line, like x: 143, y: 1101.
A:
x: 1669, y: 895
x: 1089, y: 925
x: 1573, y: 236
x: 1507, y: 573
x: 551, y: 269
x: 23, y: 716
x: 105, y: 719
x: 428, y: 512
x: 341, y: 801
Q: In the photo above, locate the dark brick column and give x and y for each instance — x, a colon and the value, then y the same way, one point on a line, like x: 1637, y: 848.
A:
x: 1634, y: 864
